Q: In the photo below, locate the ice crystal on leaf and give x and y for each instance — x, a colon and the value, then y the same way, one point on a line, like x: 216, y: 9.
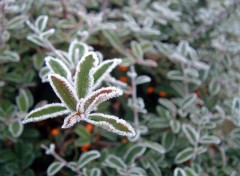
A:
x: 78, y: 98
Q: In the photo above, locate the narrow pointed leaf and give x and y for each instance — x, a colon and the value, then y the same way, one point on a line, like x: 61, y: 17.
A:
x: 71, y: 120
x: 88, y: 157
x: 99, y: 96
x: 84, y: 74
x: 58, y: 67
x: 76, y: 51
x: 64, y: 91
x: 45, y: 112
x: 103, y: 70
x: 111, y: 123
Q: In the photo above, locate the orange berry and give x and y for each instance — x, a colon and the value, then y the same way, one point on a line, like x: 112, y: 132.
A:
x: 123, y: 79
x: 162, y: 94
x: 198, y: 93
x: 124, y: 140
x: 85, y: 147
x: 89, y: 127
x: 55, y: 131
x: 150, y: 89
x: 127, y: 95
x: 123, y: 68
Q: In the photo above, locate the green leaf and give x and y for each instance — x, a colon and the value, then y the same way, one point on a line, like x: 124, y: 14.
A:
x: 7, y: 155
x: 36, y: 40
x: 168, y: 141
x: 87, y: 157
x: 58, y: 67
x: 55, y: 167
x: 17, y: 22
x: 112, y: 38
x: 209, y: 140
x: 153, y: 145
x: 116, y: 163
x: 9, y: 56
x: 84, y: 136
x: 41, y: 22
x: 95, y: 172
x: 76, y: 51
x: 84, y: 74
x: 45, y: 112
x: 188, y: 101
x: 154, y: 168
x: 64, y: 91
x: 175, y: 126
x: 23, y: 101
x: 133, y: 153
x: 16, y: 128
x: 179, y: 172
x: 111, y: 123
x: 190, y: 133
x: 136, y: 50
x: 168, y: 104
x: 184, y: 155
x: 103, y: 70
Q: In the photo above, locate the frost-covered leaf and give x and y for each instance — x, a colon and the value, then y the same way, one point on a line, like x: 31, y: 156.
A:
x: 71, y: 120
x: 16, y: 128
x: 41, y: 22
x: 184, y: 155
x: 45, y: 112
x: 179, y: 172
x: 190, y: 172
x: 103, y: 70
x: 190, y: 133
x: 64, y: 91
x: 175, y: 75
x: 168, y: 104
x: 55, y: 167
x: 168, y: 141
x: 23, y: 100
x: 84, y: 75
x: 154, y: 168
x: 17, y: 22
x: 111, y: 123
x: 47, y: 34
x: 95, y: 172
x: 136, y: 50
x: 153, y: 145
x: 188, y: 101
x: 36, y: 40
x: 76, y: 51
x: 9, y: 56
x: 133, y: 153
x: 214, y: 87
x: 116, y: 163
x: 87, y: 157
x: 175, y: 126
x: 58, y: 67
x: 137, y: 171
x: 99, y: 96
x: 142, y: 79
x: 43, y: 73
x: 209, y: 140
x: 112, y: 38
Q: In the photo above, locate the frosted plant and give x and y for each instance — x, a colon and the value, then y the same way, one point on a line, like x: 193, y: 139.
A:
x: 77, y: 95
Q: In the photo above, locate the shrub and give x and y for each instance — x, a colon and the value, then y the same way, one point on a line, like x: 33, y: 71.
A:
x: 172, y: 68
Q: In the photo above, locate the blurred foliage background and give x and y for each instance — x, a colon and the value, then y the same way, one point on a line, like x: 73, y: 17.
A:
x: 187, y: 117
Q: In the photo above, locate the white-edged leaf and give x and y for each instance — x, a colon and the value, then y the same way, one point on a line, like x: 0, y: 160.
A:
x: 41, y: 22
x: 36, y: 40
x: 45, y: 112
x: 190, y: 172
x: 112, y: 38
x: 214, y: 87
x: 55, y: 167
x: 184, y: 155
x: 175, y: 126
x: 136, y: 171
x: 175, y: 75
x: 209, y: 140
x: 133, y: 153
x: 115, y: 162
x: 168, y: 141
x: 71, y: 120
x: 76, y: 51
x: 136, y: 50
x: 168, y: 104
x: 142, y: 79
x: 43, y: 73
x: 103, y: 70
x: 23, y: 101
x: 95, y: 172
x: 58, y: 67
x: 64, y: 91
x: 179, y: 172
x: 153, y: 145
x: 87, y: 157
x: 188, y: 101
x: 99, y: 96
x: 190, y: 133
x: 84, y: 74
x: 47, y: 34
x: 111, y: 123
x: 154, y: 168
x: 9, y: 56
x: 16, y: 128
x: 17, y: 22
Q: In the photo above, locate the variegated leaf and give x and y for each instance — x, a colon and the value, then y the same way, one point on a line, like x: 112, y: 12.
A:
x: 133, y: 153
x: 111, y: 123
x: 71, y: 120
x: 84, y: 74
x: 99, y: 96
x: 64, y: 91
x: 88, y: 157
x: 58, y: 67
x: 76, y: 51
x: 41, y: 22
x: 45, y: 112
x: 103, y: 70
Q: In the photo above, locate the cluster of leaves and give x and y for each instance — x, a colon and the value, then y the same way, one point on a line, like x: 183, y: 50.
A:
x: 180, y: 57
